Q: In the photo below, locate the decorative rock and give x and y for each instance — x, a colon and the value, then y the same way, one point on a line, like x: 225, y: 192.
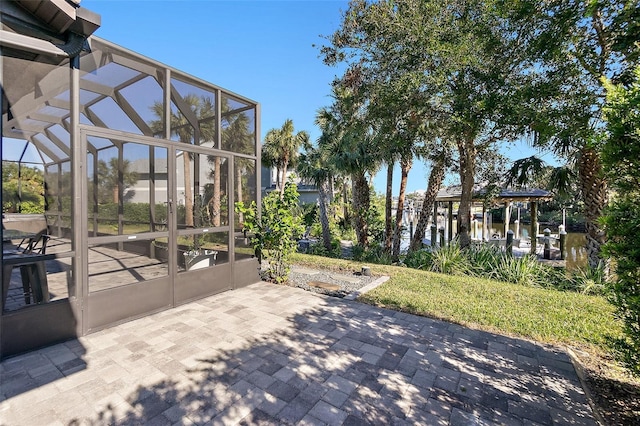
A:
x: 326, y: 286
x: 366, y: 271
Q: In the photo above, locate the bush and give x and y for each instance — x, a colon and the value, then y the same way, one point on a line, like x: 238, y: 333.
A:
x: 276, y: 231
x: 451, y: 260
x: 419, y: 259
x: 526, y: 271
x: 318, y: 249
x: 375, y: 253
x: 622, y: 220
x: 484, y: 259
x: 623, y: 228
x: 588, y: 281
x: 490, y: 262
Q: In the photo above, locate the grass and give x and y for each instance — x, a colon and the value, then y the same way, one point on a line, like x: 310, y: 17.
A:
x: 544, y: 315
x: 547, y: 316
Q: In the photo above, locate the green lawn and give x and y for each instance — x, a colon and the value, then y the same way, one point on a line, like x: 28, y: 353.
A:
x: 547, y: 316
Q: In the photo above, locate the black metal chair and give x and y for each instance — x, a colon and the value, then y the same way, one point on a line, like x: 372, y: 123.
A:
x: 34, y: 276
x: 36, y: 244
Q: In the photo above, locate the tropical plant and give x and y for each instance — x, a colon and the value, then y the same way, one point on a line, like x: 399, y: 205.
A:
x: 188, y: 122
x: 374, y: 253
x: 350, y: 147
x: 313, y: 166
x: 418, y: 259
x: 280, y: 150
x: 575, y: 45
x: 622, y: 219
x: 113, y: 179
x: 275, y: 231
x: 588, y: 280
x: 450, y: 259
x: 526, y: 270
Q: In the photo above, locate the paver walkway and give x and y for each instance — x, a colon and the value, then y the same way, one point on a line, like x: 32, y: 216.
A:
x: 269, y: 354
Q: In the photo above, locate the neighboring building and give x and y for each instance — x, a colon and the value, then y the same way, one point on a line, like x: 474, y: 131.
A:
x: 125, y: 203
x: 308, y: 192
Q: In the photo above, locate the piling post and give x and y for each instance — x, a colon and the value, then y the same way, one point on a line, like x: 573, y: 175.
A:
x: 509, y: 246
x: 563, y: 241
x: 434, y: 236
x: 547, y: 243
x: 442, y: 242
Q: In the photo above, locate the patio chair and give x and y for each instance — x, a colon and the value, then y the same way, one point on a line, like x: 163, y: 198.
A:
x: 34, y: 276
x: 36, y: 244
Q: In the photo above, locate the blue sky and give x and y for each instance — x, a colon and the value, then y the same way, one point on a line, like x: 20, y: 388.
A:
x: 263, y: 50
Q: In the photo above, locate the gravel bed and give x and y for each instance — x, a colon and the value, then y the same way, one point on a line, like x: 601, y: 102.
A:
x: 301, y: 280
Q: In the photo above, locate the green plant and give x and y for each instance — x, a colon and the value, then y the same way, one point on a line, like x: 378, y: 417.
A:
x: 418, y: 259
x: 308, y: 213
x: 275, y: 231
x: 375, y: 253
x: 484, y: 259
x: 588, y: 280
x: 527, y: 271
x: 318, y: 249
x: 622, y: 218
x: 451, y: 260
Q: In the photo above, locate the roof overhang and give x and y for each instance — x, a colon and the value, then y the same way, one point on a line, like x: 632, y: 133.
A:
x: 63, y: 15
x: 47, y: 27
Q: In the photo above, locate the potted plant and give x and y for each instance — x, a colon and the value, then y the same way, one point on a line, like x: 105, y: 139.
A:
x: 198, y: 257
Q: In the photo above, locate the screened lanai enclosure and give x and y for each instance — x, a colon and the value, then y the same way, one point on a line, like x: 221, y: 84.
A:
x: 119, y: 178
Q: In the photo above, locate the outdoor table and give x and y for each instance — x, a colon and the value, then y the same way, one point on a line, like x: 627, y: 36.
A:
x: 32, y: 271
x: 15, y: 234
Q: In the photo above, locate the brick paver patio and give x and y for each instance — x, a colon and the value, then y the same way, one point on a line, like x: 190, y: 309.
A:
x: 270, y: 354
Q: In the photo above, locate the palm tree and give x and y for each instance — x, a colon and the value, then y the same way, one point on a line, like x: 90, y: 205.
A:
x: 203, y: 107
x: 110, y: 178
x: 237, y: 138
x: 281, y: 149
x: 314, y: 166
x: 351, y: 150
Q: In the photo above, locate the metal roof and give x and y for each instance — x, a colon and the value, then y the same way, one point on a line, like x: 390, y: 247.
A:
x: 453, y: 193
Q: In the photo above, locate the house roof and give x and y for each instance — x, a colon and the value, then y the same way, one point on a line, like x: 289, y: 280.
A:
x: 63, y: 15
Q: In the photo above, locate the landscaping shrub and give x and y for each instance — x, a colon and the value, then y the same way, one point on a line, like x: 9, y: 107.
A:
x: 526, y: 270
x: 276, y: 231
x: 490, y: 262
x: 375, y: 253
x: 620, y: 155
x: 450, y: 259
x: 588, y: 281
x: 483, y: 259
x: 419, y: 259
x: 318, y: 249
